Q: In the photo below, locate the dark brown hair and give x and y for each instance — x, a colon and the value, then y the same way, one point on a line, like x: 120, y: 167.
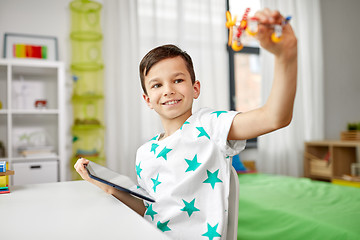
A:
x: 160, y: 53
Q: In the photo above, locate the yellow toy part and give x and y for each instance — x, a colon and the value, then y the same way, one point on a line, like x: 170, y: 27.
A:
x: 4, y: 181
x: 252, y: 27
x: 237, y: 46
x: 230, y: 23
x: 250, y: 32
x: 275, y: 39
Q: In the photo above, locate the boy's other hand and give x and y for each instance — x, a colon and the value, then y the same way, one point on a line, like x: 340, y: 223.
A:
x: 286, y: 49
x: 80, y: 168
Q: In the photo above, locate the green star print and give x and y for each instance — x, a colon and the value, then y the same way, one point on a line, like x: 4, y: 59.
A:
x: 218, y: 113
x: 211, y: 233
x: 156, y: 182
x: 154, y: 138
x: 153, y: 147
x: 164, y: 153
x: 163, y: 226
x: 202, y: 132
x: 212, y: 178
x: 190, y: 207
x: 184, y: 124
x: 193, y: 164
x: 150, y: 212
x: 138, y: 170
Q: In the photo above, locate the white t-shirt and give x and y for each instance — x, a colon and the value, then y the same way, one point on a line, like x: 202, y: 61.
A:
x: 188, y: 175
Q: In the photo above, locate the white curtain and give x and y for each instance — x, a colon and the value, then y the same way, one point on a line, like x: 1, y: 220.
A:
x: 131, y: 29
x: 281, y: 152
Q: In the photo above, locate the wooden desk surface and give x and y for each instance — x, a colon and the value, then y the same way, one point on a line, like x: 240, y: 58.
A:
x: 69, y: 210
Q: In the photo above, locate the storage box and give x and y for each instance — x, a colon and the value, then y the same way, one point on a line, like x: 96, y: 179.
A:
x: 35, y: 172
x: 352, y: 135
x: 87, y: 82
x: 320, y: 167
x: 86, y: 54
x: 85, y: 16
x: 88, y: 110
x: 88, y: 141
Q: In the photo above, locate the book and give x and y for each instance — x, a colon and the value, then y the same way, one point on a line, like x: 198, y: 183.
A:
x: 36, y: 151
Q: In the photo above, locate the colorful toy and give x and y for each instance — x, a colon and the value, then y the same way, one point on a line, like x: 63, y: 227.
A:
x: 4, y: 177
x: 41, y: 104
x: 29, y: 51
x: 250, y: 26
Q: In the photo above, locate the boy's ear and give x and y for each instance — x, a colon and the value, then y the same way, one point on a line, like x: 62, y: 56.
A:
x: 147, y: 100
x: 196, y: 88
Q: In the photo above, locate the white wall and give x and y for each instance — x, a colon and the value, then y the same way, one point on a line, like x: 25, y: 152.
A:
x: 341, y: 50
x: 341, y: 36
x: 40, y: 17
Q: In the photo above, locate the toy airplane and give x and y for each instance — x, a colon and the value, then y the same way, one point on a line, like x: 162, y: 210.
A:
x: 250, y: 26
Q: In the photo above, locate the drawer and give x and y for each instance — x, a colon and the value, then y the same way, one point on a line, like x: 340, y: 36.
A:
x: 35, y: 172
x: 319, y: 167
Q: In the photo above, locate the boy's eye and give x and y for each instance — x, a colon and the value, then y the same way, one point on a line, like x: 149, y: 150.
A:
x: 179, y: 80
x: 156, y: 85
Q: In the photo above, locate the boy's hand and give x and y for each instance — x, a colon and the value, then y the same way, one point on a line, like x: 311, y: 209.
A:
x: 80, y: 168
x: 286, y: 49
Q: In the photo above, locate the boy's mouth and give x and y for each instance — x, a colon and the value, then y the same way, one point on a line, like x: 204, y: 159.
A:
x: 171, y: 102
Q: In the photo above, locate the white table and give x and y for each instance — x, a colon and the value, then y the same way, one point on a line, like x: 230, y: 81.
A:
x: 69, y: 210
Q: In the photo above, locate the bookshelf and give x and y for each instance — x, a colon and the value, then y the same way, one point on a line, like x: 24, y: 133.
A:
x: 32, y: 132
x: 326, y: 160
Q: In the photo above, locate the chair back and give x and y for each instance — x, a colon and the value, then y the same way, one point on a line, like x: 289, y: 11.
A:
x: 233, y: 206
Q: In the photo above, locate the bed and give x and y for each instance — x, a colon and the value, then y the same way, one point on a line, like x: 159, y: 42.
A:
x: 279, y: 207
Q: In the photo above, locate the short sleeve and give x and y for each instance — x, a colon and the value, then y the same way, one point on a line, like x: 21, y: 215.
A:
x: 218, y: 124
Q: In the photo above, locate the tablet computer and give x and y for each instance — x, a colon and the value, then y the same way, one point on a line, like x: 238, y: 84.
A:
x: 116, y: 180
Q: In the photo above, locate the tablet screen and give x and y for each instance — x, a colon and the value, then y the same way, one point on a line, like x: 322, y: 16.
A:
x: 116, y: 180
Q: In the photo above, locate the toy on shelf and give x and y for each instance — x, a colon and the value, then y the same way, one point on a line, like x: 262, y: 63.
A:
x: 250, y: 26
x: 4, y: 177
x: 40, y: 104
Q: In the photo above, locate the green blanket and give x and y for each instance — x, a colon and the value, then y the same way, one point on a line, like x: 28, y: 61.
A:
x: 279, y: 207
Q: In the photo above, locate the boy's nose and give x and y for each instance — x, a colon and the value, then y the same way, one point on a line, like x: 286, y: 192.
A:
x: 168, y: 90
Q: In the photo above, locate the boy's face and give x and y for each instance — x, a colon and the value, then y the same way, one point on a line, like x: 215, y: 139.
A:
x: 170, y: 91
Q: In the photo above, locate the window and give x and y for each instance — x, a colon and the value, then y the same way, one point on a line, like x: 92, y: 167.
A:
x: 245, y: 78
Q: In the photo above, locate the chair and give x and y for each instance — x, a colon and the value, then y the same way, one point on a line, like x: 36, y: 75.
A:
x: 233, y: 206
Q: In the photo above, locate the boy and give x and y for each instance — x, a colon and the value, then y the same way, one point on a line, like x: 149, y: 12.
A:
x: 186, y: 169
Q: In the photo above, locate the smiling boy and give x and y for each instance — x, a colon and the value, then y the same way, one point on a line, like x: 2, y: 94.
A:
x: 186, y: 169
x: 169, y: 85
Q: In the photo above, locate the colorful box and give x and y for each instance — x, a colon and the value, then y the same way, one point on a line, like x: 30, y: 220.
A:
x: 2, y: 166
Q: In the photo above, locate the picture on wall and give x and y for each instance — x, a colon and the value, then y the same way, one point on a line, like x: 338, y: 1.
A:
x: 30, y: 46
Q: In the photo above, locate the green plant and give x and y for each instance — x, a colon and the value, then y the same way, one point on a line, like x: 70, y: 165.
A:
x: 353, y: 126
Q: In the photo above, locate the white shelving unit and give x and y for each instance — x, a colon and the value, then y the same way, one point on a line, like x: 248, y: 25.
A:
x: 22, y: 82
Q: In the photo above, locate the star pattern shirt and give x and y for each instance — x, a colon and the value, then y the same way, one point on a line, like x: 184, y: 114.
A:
x: 188, y: 175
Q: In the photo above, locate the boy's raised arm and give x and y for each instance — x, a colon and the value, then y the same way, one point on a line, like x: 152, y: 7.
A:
x: 277, y: 111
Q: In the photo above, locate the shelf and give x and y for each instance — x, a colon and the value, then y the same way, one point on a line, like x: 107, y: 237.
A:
x: 24, y: 83
x: 38, y: 158
x: 35, y: 111
x: 7, y: 173
x: 31, y: 63
x: 326, y: 160
x: 30, y: 111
